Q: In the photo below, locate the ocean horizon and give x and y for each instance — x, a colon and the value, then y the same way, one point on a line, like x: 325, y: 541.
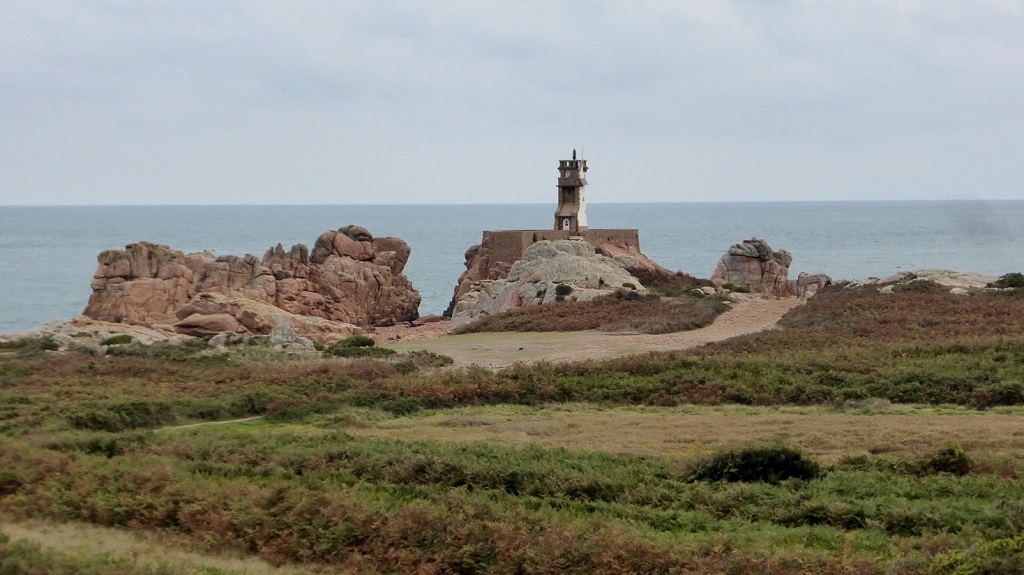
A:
x: 48, y: 253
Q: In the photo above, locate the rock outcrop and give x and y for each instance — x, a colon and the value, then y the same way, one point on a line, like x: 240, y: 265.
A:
x: 958, y: 282
x: 755, y: 265
x: 483, y: 263
x: 350, y: 279
x: 955, y: 279
x: 534, y: 280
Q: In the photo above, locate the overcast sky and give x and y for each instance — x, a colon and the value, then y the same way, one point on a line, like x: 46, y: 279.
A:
x: 460, y: 101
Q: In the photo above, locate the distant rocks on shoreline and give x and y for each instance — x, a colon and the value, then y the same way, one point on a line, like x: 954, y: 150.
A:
x: 958, y: 282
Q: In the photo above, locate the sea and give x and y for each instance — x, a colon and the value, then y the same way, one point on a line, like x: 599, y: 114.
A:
x: 48, y: 254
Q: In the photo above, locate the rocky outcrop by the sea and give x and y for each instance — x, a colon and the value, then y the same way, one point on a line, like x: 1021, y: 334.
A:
x: 958, y: 282
x: 755, y: 265
x: 349, y: 281
x: 482, y: 264
x: 535, y: 280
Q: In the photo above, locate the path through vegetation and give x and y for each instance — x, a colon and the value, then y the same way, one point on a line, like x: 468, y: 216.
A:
x: 496, y: 350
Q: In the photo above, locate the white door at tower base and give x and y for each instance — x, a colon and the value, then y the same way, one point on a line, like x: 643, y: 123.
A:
x: 565, y: 224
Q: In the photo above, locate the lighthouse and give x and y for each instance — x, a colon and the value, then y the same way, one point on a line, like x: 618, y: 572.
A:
x: 571, y: 215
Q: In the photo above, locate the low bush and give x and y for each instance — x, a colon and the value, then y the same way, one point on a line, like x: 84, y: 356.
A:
x: 563, y: 290
x: 999, y: 557
x: 952, y: 460
x: 120, y: 415
x: 424, y: 358
x: 995, y: 394
x: 921, y: 286
x: 300, y: 409
x: 768, y: 464
x: 10, y: 482
x: 192, y: 351
x: 357, y: 340
x: 358, y: 346
x: 1010, y: 280
x: 667, y: 284
x: 30, y: 345
x: 406, y: 366
x: 364, y: 352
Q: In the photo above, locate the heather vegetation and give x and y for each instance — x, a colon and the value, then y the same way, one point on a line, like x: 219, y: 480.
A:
x: 621, y: 310
x: 102, y: 441
x: 664, y: 283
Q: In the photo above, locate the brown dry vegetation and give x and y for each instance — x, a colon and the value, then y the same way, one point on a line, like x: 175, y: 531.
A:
x: 602, y: 485
x: 689, y: 433
x: 666, y: 283
x: 614, y: 312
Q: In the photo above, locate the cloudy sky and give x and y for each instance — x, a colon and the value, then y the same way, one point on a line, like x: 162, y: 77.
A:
x: 473, y: 101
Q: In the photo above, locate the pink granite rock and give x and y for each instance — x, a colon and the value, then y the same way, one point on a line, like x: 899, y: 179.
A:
x: 350, y: 278
x: 755, y: 265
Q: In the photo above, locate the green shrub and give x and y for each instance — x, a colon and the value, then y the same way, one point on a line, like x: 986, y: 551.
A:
x: 119, y: 416
x: 99, y: 443
x: 189, y: 352
x: 119, y: 339
x: 425, y: 358
x: 299, y: 409
x: 1003, y: 393
x: 768, y: 463
x: 999, y: 557
x: 47, y: 344
x: 357, y: 340
x: 1010, y: 280
x: 908, y: 522
x: 563, y: 290
x: 402, y: 406
x: 952, y: 460
x: 29, y: 345
x: 406, y: 366
x: 629, y: 285
x: 357, y: 346
x: 10, y: 482
x: 921, y: 286
x: 341, y: 351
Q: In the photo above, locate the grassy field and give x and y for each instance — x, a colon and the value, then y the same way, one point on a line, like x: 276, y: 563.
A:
x: 886, y: 429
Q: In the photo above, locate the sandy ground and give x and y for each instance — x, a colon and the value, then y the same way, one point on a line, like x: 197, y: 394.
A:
x: 494, y: 350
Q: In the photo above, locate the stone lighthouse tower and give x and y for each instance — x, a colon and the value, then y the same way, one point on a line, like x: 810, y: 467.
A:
x: 571, y: 215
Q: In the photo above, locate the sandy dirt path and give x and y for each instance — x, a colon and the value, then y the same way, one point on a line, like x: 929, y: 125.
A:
x: 494, y: 350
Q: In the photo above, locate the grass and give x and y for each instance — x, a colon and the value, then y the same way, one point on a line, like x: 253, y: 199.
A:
x: 688, y: 433
x: 907, y: 403
x: 82, y: 548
